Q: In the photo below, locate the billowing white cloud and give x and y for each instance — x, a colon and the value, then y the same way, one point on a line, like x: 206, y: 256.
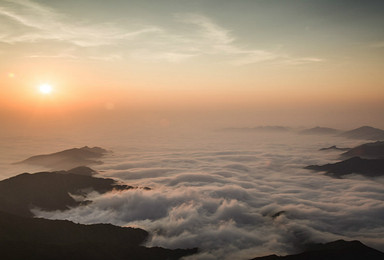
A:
x: 239, y: 199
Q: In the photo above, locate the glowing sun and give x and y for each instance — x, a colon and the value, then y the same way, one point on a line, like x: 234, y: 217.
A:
x: 45, y: 88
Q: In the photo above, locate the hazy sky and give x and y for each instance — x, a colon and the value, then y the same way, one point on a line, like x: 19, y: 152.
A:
x: 242, y: 63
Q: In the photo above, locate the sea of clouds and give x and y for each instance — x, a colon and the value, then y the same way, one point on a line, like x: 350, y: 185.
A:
x: 234, y: 195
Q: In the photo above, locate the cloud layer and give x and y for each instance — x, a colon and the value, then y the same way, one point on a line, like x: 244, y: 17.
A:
x: 235, y: 199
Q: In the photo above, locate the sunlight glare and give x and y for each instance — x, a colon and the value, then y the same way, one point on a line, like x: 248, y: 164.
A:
x: 45, y: 88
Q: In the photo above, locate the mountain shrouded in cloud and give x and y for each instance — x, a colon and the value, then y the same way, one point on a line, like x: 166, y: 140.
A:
x: 369, y: 151
x: 320, y: 131
x: 24, y: 236
x: 365, y: 132
x: 233, y: 194
x: 68, y: 159
x: 157, y: 82
x: 34, y: 238
x: 367, y: 167
x: 50, y: 191
x: 366, y: 159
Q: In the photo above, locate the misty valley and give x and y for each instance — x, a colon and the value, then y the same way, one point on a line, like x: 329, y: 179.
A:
x: 254, y: 193
x: 191, y: 129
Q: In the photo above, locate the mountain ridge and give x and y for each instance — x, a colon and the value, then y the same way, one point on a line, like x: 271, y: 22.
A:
x: 42, y: 239
x: 336, y: 250
x: 365, y: 167
x: 67, y: 159
x: 50, y: 191
x: 364, y: 133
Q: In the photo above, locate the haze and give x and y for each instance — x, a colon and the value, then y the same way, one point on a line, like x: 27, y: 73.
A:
x: 206, y: 109
x: 175, y: 63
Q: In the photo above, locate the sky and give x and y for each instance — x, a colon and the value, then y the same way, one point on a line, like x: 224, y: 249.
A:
x: 175, y: 63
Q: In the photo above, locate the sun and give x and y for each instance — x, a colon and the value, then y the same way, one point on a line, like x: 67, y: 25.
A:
x: 45, y: 88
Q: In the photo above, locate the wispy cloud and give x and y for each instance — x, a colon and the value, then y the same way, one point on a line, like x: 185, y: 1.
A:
x: 161, y: 55
x: 209, y: 30
x: 26, y: 21
x: 212, y: 39
x: 58, y: 56
x: 306, y: 60
x: 42, y: 23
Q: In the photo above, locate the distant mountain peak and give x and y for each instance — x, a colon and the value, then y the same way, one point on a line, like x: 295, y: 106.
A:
x: 334, y: 147
x: 260, y: 129
x: 319, y: 130
x: 365, y: 132
x: 68, y: 159
x: 365, y: 127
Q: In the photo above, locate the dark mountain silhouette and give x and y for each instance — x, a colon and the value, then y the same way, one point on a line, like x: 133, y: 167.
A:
x: 365, y: 133
x: 81, y: 170
x: 68, y: 159
x: 366, y: 167
x: 42, y: 239
x: 368, y: 151
x: 24, y: 237
x: 263, y: 129
x: 334, y: 147
x: 337, y: 250
x: 320, y: 131
x: 49, y: 191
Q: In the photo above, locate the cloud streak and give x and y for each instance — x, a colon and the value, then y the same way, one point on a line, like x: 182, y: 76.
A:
x: 26, y: 21
x: 213, y: 39
x: 39, y: 23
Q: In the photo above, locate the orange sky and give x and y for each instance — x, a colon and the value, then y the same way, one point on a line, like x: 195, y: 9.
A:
x: 183, y: 61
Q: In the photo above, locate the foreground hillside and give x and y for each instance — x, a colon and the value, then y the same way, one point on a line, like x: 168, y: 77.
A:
x: 24, y: 237
x: 31, y: 238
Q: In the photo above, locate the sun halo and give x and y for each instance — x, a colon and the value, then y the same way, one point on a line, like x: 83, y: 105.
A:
x: 45, y: 89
